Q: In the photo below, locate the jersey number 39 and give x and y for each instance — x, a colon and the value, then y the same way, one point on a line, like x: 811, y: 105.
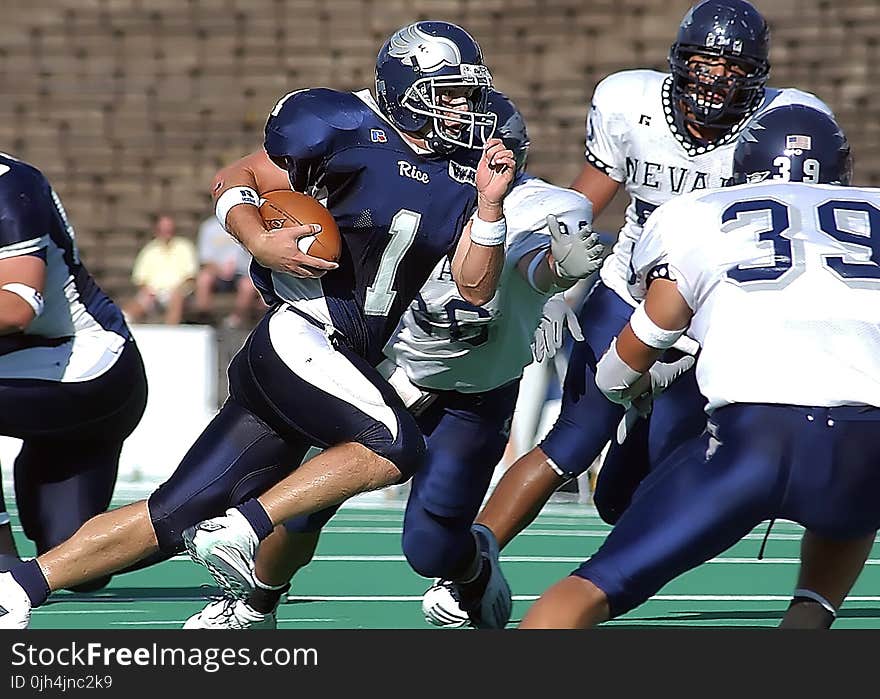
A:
x: 853, y: 224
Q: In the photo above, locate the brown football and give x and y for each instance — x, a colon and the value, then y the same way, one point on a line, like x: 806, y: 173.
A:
x: 282, y: 208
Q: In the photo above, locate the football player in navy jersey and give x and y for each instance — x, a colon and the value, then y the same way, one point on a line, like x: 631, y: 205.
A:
x: 72, y: 384
x: 457, y: 367
x: 410, y: 177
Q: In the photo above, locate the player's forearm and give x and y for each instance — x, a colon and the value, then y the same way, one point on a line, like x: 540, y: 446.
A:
x: 243, y: 220
x: 15, y: 314
x: 479, y: 270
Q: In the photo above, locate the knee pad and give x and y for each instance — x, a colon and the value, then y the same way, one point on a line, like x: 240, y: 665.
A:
x: 167, y: 523
x: 407, y: 451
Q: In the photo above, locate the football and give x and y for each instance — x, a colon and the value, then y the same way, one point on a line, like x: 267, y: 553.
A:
x: 283, y: 208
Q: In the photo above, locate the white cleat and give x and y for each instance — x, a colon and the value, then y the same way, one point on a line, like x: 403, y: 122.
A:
x: 230, y: 613
x: 226, y: 546
x: 15, y: 605
x: 441, y: 606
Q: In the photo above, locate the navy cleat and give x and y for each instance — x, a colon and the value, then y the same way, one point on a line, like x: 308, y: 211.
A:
x: 487, y: 599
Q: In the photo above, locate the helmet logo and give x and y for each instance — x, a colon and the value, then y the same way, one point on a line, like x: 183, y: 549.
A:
x: 749, y: 134
x: 719, y: 38
x: 428, y: 53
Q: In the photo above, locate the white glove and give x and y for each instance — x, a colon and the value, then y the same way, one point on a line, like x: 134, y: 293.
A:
x: 578, y: 254
x: 548, y: 335
x: 622, y: 384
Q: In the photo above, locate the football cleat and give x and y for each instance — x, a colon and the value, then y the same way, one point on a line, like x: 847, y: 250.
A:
x: 484, y: 602
x: 230, y: 613
x: 492, y: 607
x: 441, y: 606
x: 226, y: 546
x: 15, y: 605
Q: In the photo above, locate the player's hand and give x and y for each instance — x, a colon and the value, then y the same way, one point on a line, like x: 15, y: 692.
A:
x: 548, y: 336
x: 656, y: 380
x: 577, y: 255
x: 279, y: 251
x: 495, y: 173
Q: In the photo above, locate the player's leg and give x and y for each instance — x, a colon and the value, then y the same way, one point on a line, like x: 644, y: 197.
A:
x: 836, y: 499
x: 60, y: 484
x: 236, y: 457
x: 586, y: 422
x: 829, y: 569
x: 280, y: 556
x: 72, y: 432
x: 334, y: 397
x: 684, y: 513
x: 466, y: 436
x: 677, y: 416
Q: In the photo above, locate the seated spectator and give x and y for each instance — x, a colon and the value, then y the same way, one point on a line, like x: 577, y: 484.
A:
x: 163, y: 272
x: 224, y: 268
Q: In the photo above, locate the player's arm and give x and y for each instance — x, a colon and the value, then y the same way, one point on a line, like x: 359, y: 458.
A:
x: 236, y: 190
x: 596, y: 186
x: 479, y: 255
x: 22, y: 279
x: 627, y: 371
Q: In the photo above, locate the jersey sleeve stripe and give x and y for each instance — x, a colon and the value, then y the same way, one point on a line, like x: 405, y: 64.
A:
x: 24, y: 247
x: 598, y: 163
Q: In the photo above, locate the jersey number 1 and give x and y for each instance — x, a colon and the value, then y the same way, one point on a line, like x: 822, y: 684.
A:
x: 380, y: 296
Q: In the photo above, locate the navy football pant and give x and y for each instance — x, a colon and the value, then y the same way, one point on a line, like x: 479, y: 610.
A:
x: 815, y: 466
x: 466, y: 436
x: 588, y: 420
x: 72, y: 436
x: 291, y: 387
x: 677, y: 416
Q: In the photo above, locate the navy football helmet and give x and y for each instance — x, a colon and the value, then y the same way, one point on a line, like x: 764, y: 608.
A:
x: 793, y: 143
x: 416, y: 66
x: 732, y: 30
x: 511, y: 127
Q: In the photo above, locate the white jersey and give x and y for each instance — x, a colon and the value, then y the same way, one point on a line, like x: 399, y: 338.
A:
x: 632, y: 137
x: 445, y: 343
x: 784, y: 281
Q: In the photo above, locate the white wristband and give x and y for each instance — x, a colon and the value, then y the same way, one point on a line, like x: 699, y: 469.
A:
x: 488, y: 233
x: 233, y: 197
x: 615, y: 378
x: 28, y: 294
x: 650, y: 333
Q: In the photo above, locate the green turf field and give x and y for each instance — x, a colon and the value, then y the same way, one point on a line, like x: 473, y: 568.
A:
x: 360, y: 579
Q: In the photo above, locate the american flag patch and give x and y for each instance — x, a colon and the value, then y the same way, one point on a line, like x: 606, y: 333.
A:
x: 798, y: 142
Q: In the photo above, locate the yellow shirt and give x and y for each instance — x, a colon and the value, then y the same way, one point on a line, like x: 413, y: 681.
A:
x: 163, y: 267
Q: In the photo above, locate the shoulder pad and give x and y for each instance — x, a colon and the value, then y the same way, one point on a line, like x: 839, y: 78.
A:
x: 311, y: 123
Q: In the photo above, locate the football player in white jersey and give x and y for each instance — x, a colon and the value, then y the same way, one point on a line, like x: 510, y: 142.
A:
x: 659, y: 135
x: 779, y: 281
x: 458, y: 367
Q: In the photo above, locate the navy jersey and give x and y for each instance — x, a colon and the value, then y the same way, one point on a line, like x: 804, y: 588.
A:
x: 33, y: 222
x: 399, y: 211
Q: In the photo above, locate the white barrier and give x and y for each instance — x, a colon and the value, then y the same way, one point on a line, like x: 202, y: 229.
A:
x: 181, y: 366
